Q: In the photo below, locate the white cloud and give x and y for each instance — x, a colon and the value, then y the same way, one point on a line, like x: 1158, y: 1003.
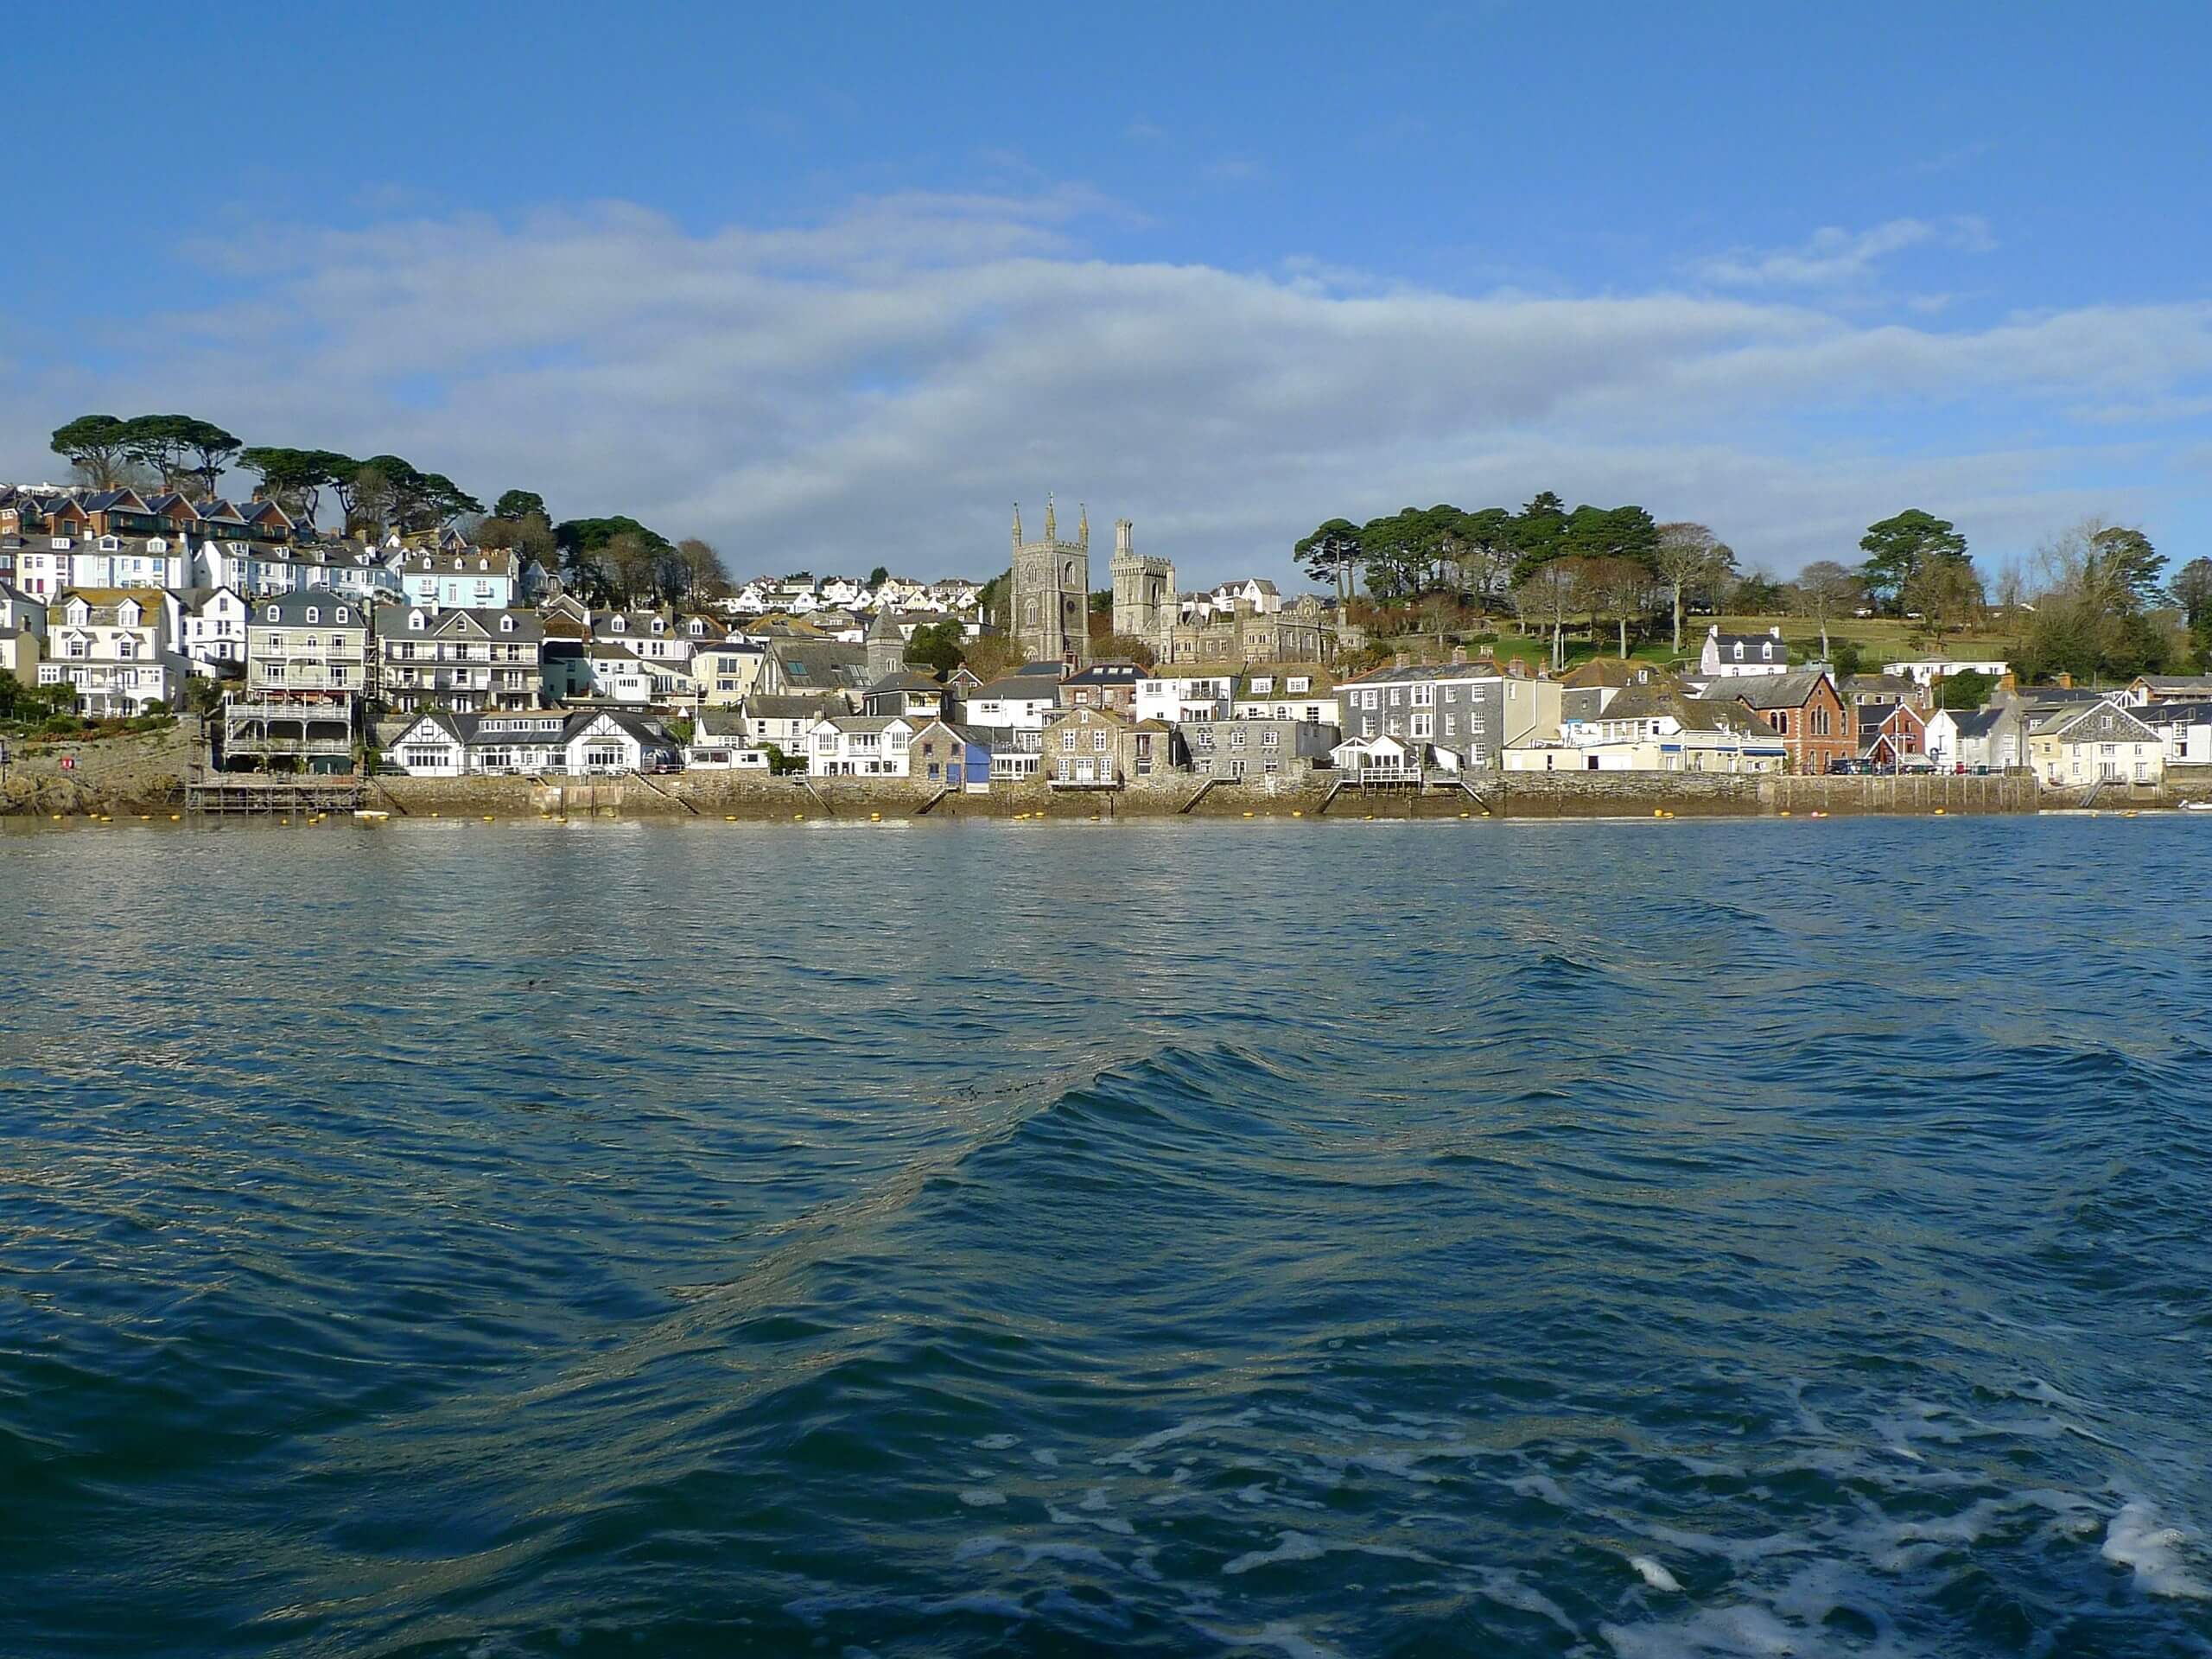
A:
x: 878, y: 387
x: 1833, y: 257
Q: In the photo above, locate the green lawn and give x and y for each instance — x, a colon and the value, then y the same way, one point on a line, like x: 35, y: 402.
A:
x: 1879, y: 639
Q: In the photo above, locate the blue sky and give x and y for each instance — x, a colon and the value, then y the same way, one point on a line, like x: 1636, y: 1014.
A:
x: 835, y: 284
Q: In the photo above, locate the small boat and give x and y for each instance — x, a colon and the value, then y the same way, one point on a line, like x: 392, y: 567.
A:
x: 2196, y: 806
x: 371, y: 813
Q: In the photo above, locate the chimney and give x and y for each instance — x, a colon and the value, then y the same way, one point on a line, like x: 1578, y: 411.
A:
x: 2064, y: 680
x: 1458, y: 656
x: 1404, y: 659
x: 2008, y: 682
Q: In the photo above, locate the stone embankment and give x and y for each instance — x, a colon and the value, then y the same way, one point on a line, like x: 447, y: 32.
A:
x: 1546, y: 795
x: 141, y: 772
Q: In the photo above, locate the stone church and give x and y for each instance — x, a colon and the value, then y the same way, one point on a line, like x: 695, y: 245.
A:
x: 1052, y: 592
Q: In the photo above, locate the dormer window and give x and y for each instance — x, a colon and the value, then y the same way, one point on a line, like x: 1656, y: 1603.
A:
x: 659, y: 626
x: 415, y: 620
x: 315, y: 613
x: 273, y: 614
x: 506, y: 625
x: 341, y: 615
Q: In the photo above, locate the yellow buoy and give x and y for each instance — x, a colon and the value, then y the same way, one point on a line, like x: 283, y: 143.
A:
x: 176, y: 817
x: 729, y: 817
x: 1248, y: 814
x: 799, y: 817
x: 1658, y: 812
x: 1295, y: 813
x: 1939, y: 813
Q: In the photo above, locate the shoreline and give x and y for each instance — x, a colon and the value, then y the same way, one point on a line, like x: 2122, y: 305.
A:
x: 750, y: 798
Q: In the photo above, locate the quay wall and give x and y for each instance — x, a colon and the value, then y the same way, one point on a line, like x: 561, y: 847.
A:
x: 1615, y: 794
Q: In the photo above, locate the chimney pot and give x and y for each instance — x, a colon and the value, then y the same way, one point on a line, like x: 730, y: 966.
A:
x: 1458, y: 656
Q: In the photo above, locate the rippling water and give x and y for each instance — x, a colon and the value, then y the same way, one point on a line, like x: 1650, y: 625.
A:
x: 1730, y: 1238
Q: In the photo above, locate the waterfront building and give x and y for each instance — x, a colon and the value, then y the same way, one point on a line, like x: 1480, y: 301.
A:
x: 2073, y: 744
x: 1179, y: 696
x: 211, y: 624
x: 1027, y: 700
x: 114, y: 648
x: 1891, y: 735
x: 1459, y: 715
x: 860, y: 746
x: 600, y: 742
x: 1102, y: 685
x: 721, y: 742
x: 1804, y: 708
x: 2185, y: 729
x: 1977, y: 738
x: 1090, y: 748
x: 306, y: 661
x: 1656, y: 726
x: 1298, y: 691
x: 1259, y: 747
x: 466, y: 659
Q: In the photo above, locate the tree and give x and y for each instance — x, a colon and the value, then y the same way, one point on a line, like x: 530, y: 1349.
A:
x: 212, y: 450
x: 160, y: 443
x: 704, y: 571
x: 295, y: 479
x: 1684, y: 555
x: 1825, y: 589
x: 97, y: 446
x: 876, y: 577
x: 1617, y: 587
x: 1945, y: 592
x: 2128, y: 566
x: 1758, y: 594
x: 1968, y: 689
x: 515, y: 505
x: 1125, y: 647
x: 1896, y: 548
x: 994, y: 598
x: 2192, y: 591
x: 1487, y: 553
x: 1331, y: 554
x: 374, y: 504
x: 1400, y: 553
x: 937, y: 646
x: 1548, y: 594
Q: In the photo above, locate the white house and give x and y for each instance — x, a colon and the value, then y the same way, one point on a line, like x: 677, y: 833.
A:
x: 1725, y: 656
x: 617, y: 674
x: 2081, y: 743
x: 435, y: 744
x: 1024, y: 702
x: 720, y: 742
x: 607, y: 741
x: 211, y: 630
x: 860, y: 746
x: 1379, y: 759
x: 1976, y: 738
x: 2185, y: 729
x: 112, y: 646
x: 1654, y: 729
x: 1177, y: 696
x: 1926, y: 670
x: 1288, y: 691
x: 785, y: 721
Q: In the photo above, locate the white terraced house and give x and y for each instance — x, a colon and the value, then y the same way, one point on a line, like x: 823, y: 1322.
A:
x: 113, y: 647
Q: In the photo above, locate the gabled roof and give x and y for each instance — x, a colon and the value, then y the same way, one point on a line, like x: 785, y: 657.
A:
x: 905, y: 680
x: 1018, y: 688
x: 1790, y: 691
x: 761, y: 706
x: 1975, y: 722
x: 292, y: 609
x: 2106, y: 722
x: 459, y: 728
x: 2175, y: 711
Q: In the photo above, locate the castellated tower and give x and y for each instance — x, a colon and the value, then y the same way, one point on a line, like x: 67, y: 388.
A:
x: 1144, y: 592
x: 1052, y: 591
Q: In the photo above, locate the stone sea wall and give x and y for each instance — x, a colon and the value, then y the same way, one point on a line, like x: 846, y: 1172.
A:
x: 1615, y: 794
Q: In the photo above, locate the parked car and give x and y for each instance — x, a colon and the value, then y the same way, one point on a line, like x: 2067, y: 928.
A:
x: 1847, y: 767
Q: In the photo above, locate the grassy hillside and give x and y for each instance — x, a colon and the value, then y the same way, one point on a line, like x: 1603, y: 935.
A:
x: 1878, y: 639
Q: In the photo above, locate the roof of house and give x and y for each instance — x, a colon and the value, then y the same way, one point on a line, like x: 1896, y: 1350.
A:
x: 1883, y: 688
x: 1657, y: 699
x: 1975, y: 722
x: 905, y: 679
x: 762, y: 706
x: 1319, y: 679
x: 1792, y: 689
x: 1107, y: 673
x: 1016, y: 688
x: 2107, y: 722
x: 2175, y: 711
x: 826, y: 662
x: 487, y: 620
x: 291, y: 609
x: 2176, y: 682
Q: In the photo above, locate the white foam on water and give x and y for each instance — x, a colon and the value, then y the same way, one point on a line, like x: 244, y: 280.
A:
x: 1739, y: 1552
x: 2135, y: 1538
x: 997, y: 1442
x: 1282, y: 1636
x: 1095, y: 1499
x: 981, y: 1498
x: 1067, y: 1554
x: 1655, y: 1575
x: 1293, y: 1546
x: 1046, y: 1455
x: 1542, y: 1486
x: 1714, y: 1633
x: 1501, y: 1585
x: 1113, y: 1523
x: 974, y: 1549
x: 1136, y: 1449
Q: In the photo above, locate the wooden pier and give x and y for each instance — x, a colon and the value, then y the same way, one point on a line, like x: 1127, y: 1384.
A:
x: 262, y: 794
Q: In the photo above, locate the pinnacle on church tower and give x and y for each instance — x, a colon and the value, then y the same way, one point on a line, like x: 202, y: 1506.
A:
x: 1083, y: 524
x: 1017, y: 523
x: 1052, y: 530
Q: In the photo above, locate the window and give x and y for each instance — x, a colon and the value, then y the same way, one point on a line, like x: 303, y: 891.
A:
x: 1397, y: 695
x: 1424, y: 696
x: 1067, y: 741
x: 1098, y: 742
x: 1450, y: 725
x: 1262, y: 686
x: 1299, y: 684
x: 315, y: 614
x: 1271, y: 738
x: 1236, y: 738
x: 1423, y: 725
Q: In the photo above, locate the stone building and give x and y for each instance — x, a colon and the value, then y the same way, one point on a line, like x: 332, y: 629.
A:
x: 1144, y: 592
x: 1052, y: 591
x: 1303, y: 631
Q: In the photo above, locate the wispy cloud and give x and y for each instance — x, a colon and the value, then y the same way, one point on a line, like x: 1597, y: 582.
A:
x: 896, y: 372
x: 1833, y: 257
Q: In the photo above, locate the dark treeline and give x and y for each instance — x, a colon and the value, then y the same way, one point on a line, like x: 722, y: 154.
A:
x: 603, y: 560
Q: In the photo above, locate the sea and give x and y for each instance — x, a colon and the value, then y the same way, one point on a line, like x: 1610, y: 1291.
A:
x: 1642, y: 1239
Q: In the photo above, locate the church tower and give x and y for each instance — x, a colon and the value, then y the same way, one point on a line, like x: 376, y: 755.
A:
x: 1052, y: 591
x: 1144, y: 592
x: 885, y: 646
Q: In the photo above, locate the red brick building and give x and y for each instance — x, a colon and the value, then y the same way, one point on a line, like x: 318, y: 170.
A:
x: 1805, y: 709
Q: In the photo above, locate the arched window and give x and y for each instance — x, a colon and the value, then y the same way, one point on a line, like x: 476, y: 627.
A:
x: 315, y: 613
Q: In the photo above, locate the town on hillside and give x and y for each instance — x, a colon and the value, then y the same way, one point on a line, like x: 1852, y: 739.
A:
x: 449, y: 652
